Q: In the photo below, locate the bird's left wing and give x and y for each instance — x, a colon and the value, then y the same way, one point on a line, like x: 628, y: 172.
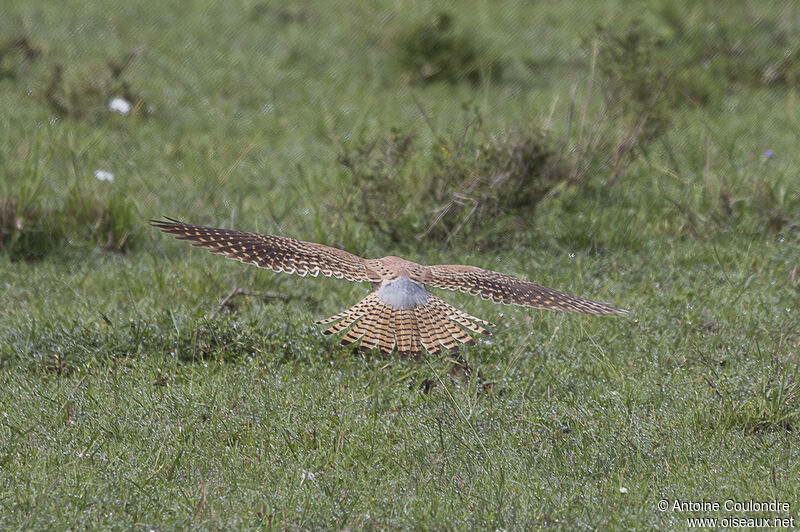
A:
x: 276, y: 253
x: 502, y: 288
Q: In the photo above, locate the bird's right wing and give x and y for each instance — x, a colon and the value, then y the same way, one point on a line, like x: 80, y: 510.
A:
x: 502, y: 288
x: 276, y: 253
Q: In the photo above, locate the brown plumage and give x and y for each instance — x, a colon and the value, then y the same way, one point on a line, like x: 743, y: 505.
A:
x: 400, y: 313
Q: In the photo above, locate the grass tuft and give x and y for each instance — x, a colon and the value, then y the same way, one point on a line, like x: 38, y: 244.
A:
x: 39, y: 218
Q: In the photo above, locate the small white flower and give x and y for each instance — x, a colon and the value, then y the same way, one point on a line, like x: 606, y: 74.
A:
x: 307, y: 475
x: 623, y: 489
x: 120, y: 105
x: 104, y: 175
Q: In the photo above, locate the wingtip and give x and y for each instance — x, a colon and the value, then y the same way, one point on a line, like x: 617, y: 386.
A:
x: 604, y: 309
x: 166, y: 220
x: 165, y: 224
x: 618, y: 311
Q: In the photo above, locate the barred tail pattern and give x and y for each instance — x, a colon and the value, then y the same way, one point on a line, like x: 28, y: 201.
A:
x: 432, y: 326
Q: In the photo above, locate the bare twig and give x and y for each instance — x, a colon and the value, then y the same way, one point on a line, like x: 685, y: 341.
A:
x: 240, y: 292
x: 549, y: 119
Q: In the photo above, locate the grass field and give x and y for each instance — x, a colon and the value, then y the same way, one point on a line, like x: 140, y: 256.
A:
x: 644, y: 156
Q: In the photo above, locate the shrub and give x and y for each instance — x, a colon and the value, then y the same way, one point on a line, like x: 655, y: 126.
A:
x: 437, y: 50
x: 477, y: 189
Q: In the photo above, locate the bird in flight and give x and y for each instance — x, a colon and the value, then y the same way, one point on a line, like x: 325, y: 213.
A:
x: 400, y: 312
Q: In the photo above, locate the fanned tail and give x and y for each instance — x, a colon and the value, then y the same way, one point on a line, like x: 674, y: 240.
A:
x: 433, y: 326
x: 349, y: 316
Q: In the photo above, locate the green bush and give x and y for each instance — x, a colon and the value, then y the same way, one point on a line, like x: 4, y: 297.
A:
x: 479, y: 189
x: 436, y: 49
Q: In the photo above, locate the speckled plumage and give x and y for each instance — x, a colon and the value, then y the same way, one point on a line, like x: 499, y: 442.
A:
x: 400, y: 314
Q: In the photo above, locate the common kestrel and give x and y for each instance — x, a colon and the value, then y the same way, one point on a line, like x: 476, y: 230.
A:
x: 400, y: 312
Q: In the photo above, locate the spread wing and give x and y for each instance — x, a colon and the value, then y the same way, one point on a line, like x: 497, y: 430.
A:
x: 502, y: 288
x: 276, y: 253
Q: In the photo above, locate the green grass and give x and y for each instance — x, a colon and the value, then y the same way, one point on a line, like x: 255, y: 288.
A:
x: 611, y: 152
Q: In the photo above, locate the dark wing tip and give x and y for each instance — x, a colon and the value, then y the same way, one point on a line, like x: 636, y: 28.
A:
x: 164, y: 225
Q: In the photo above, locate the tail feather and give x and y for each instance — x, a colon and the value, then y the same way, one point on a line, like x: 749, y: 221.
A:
x: 342, y: 325
x: 426, y: 331
x: 468, y: 321
x: 438, y: 323
x: 356, y: 332
x: 333, y: 318
x: 358, y: 309
x: 371, y: 332
x: 453, y: 329
x: 385, y: 328
x: 407, y: 333
x: 349, y: 316
x: 433, y: 326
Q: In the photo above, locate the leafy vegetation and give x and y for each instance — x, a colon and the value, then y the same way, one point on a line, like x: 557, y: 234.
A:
x: 643, y: 157
x: 437, y: 49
